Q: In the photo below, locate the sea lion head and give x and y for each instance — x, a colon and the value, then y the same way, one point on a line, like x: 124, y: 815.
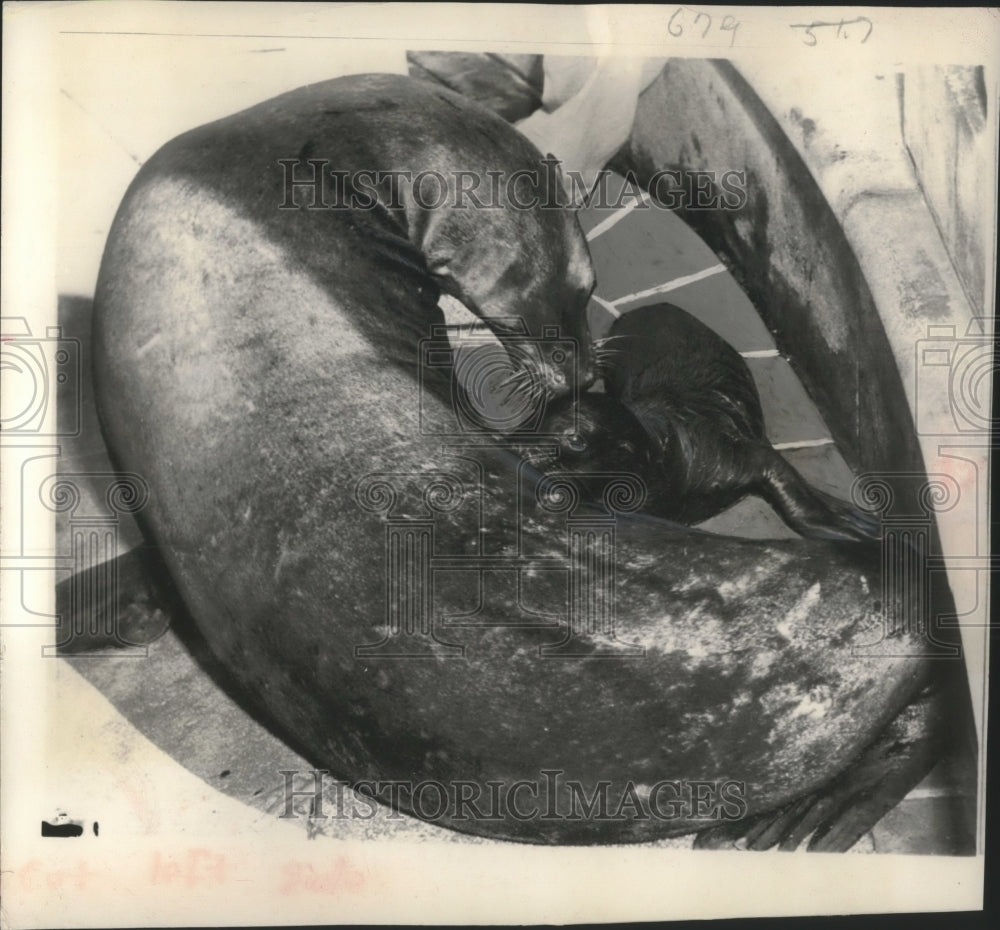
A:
x: 594, y: 434
x: 533, y: 294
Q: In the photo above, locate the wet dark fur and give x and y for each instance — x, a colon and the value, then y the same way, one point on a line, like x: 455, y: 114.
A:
x: 284, y: 380
x: 695, y: 396
x: 599, y: 434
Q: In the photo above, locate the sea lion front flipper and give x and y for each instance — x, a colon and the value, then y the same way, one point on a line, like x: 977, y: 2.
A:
x: 813, y: 513
x: 112, y: 605
x: 863, y: 524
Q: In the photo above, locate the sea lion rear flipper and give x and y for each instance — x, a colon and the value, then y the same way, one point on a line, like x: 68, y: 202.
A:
x: 114, y: 604
x: 839, y: 814
x: 757, y: 833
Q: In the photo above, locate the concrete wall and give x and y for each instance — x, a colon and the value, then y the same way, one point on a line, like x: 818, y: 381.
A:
x: 840, y: 251
x: 943, y: 111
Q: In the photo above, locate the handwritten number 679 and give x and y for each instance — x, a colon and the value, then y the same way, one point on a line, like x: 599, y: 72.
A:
x: 675, y: 25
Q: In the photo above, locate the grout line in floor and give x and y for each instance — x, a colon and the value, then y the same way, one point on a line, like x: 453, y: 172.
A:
x: 673, y: 285
x: 606, y: 305
x: 616, y: 217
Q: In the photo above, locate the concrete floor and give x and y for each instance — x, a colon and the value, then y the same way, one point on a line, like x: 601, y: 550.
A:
x: 178, y: 699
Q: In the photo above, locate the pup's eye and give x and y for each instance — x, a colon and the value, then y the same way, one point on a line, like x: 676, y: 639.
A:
x: 576, y: 443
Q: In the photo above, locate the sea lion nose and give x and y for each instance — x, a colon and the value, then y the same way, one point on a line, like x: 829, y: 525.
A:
x: 587, y: 366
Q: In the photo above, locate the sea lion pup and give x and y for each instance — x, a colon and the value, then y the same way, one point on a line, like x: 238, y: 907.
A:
x: 695, y: 396
x: 596, y: 435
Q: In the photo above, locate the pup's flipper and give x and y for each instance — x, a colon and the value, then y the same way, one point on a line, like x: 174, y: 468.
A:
x: 813, y: 513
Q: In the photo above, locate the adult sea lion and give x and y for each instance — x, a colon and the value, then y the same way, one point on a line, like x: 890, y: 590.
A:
x: 260, y: 368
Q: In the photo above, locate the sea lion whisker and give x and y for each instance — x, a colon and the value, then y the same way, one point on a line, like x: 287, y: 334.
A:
x: 523, y: 379
x: 512, y: 378
x: 519, y: 381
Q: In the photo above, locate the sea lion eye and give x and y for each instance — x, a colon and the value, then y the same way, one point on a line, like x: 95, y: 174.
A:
x: 575, y: 442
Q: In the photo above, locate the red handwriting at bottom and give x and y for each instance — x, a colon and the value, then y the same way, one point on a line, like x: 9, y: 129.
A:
x: 36, y: 875
x: 338, y: 877
x: 199, y: 867
x: 196, y: 867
